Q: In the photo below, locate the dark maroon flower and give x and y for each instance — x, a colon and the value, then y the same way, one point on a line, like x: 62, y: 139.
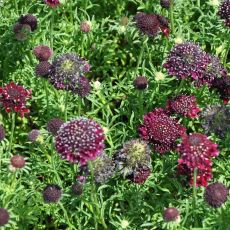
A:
x: 140, y: 175
x: 42, y: 52
x: 4, y: 216
x: 52, y: 193
x: 2, y: 133
x: 186, y: 59
x: 33, y: 135
x: 140, y: 83
x: 80, y: 140
x: 196, y: 152
x: 43, y: 69
x: 21, y: 31
x: 30, y: 20
x: 185, y: 105
x: 165, y: 4
x: 171, y: 214
x: 13, y: 97
x: 85, y: 27
x: 84, y: 87
x: 77, y: 189
x: 18, y: 161
x: 52, y: 3
x: 224, y: 12
x: 216, y: 194
x: 161, y: 130
x: 54, y: 125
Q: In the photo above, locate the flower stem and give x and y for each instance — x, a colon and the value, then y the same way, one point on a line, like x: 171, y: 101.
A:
x: 194, y: 198
x: 47, y: 96
x: 172, y: 16
x: 227, y: 50
x: 12, y: 131
x: 51, y: 28
x: 66, y: 105
x: 198, y: 3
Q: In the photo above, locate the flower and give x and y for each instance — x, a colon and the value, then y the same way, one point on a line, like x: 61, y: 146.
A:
x: 43, y: 69
x: 196, y: 152
x: 183, y: 104
x: 77, y: 189
x: 52, y: 193
x: 30, y: 20
x: 133, y: 160
x: 216, y: 194
x: 42, y: 52
x: 140, y: 83
x: 21, y: 31
x: 171, y: 214
x: 85, y: 26
x: 17, y: 161
x: 52, y: 3
x: 165, y: 4
x: 80, y: 140
x: 54, y: 125
x: 224, y: 12
x: 66, y: 71
x: 160, y: 130
x: 216, y: 119
x: 33, y: 135
x: 159, y: 76
x: 83, y: 89
x: 2, y: 133
x: 13, y: 97
x: 186, y: 59
x: 4, y: 216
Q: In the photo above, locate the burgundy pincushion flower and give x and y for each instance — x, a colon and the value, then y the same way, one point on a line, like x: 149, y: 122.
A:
x: 216, y: 194
x: 54, y: 125
x: 17, y: 161
x: 33, y: 135
x: 165, y: 4
x: 43, y: 69
x: 171, y: 214
x: 80, y: 140
x: 185, y: 105
x: 84, y: 87
x: 140, y: 83
x: 13, y: 97
x: 21, y: 31
x: 52, y: 3
x: 42, y: 52
x: 161, y: 130
x: 30, y: 20
x: 4, y: 216
x: 196, y: 152
x: 224, y: 12
x: 52, y: 193
x: 85, y: 27
x: 140, y: 175
x: 186, y: 59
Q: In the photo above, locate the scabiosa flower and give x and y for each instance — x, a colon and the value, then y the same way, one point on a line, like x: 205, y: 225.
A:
x: 52, y: 3
x: 17, y: 161
x: 30, y: 20
x: 13, y: 98
x: 52, y: 193
x: 186, y: 59
x: 224, y: 12
x: 2, y: 133
x: 66, y: 71
x: 216, y: 194
x: 21, y: 31
x: 183, y: 104
x: 140, y: 83
x: 85, y: 26
x: 171, y: 214
x: 42, y: 52
x: 54, y: 125
x: 196, y: 152
x: 216, y: 119
x: 80, y: 140
x: 165, y: 4
x: 4, y: 216
x: 43, y: 69
x: 77, y: 188
x: 84, y: 87
x: 160, y: 130
x: 133, y: 160
x: 33, y: 135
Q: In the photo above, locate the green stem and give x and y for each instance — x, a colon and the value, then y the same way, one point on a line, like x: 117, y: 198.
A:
x: 12, y: 131
x: 198, y: 3
x: 140, y: 57
x: 227, y: 50
x: 79, y: 105
x: 140, y: 102
x: 172, y: 16
x: 194, y: 198
x: 51, y: 28
x: 66, y: 216
x: 66, y: 105
x: 46, y: 86
x: 16, y: 6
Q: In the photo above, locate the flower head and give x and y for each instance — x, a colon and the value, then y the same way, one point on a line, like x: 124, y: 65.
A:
x: 171, y: 214
x: 140, y: 83
x: 42, y: 52
x: 224, y: 12
x: 184, y: 104
x: 83, y: 89
x: 165, y: 4
x: 52, y: 193
x: 216, y: 194
x: 30, y: 20
x: 17, y: 161
x: 43, y: 69
x: 4, y: 216
x: 2, y: 133
x: 66, y: 71
x: 33, y: 135
x: 13, y: 97
x: 161, y: 130
x: 216, y: 119
x: 52, y: 3
x: 77, y: 189
x: 21, y: 31
x: 85, y: 26
x: 80, y: 140
x: 54, y: 125
x: 140, y: 175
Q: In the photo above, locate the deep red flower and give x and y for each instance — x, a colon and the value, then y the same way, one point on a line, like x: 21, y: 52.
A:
x: 161, y: 130
x: 224, y: 12
x: 52, y: 3
x: 171, y: 214
x: 13, y: 97
x: 140, y: 175
x: 42, y: 52
x: 185, y: 105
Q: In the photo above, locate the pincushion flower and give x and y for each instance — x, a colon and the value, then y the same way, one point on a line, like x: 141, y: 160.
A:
x: 161, y: 130
x: 224, y: 12
x: 66, y: 71
x: 185, y: 105
x: 171, y: 214
x: 30, y: 20
x: 13, y: 97
x: 52, y: 3
x: 80, y: 140
x: 140, y: 83
x: 52, y: 193
x: 42, y: 52
x: 196, y: 152
x: 4, y: 216
x: 83, y: 89
x: 54, y: 125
